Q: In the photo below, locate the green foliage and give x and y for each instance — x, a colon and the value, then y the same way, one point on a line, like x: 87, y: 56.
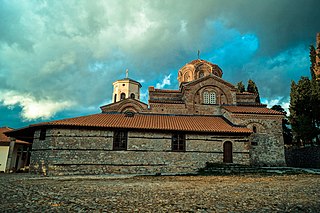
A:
x: 305, y: 105
x: 278, y: 108
x: 312, y: 55
x: 240, y: 87
x: 304, y: 110
x: 252, y: 87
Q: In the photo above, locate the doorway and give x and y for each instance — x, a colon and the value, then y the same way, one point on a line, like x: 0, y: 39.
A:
x: 227, y: 152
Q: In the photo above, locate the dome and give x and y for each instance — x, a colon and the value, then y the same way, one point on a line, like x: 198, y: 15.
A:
x: 197, y: 69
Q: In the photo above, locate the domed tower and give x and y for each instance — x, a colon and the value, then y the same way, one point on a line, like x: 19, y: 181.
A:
x: 126, y: 88
x: 197, y: 69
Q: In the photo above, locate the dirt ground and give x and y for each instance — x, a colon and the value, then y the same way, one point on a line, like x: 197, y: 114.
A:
x: 247, y: 193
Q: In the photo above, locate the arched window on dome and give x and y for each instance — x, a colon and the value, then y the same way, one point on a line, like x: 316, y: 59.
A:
x: 186, y: 76
x: 201, y: 74
x: 209, y: 97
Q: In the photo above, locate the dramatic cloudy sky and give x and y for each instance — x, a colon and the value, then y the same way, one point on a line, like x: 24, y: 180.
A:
x: 58, y: 59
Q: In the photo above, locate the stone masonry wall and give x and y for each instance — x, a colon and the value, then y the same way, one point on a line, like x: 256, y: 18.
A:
x: 305, y: 157
x: 267, y: 145
x: 78, y: 151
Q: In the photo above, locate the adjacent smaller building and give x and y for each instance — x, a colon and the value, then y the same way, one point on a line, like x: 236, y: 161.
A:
x: 14, y: 155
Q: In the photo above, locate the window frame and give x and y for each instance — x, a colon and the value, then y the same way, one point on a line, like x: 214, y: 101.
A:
x: 209, y: 97
x: 120, y: 140
x: 206, y: 97
x: 178, y: 142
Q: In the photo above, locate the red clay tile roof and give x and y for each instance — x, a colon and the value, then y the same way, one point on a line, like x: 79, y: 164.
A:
x: 5, y: 139
x: 167, y: 90
x: 251, y: 110
x: 248, y: 104
x: 245, y: 93
x: 166, y: 101
x: 152, y: 122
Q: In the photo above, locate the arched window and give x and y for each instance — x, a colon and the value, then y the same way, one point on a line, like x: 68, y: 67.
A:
x: 132, y: 96
x: 209, y: 97
x: 186, y: 76
x: 206, y: 97
x: 212, y: 98
x: 122, y: 96
x: 254, y: 129
x: 201, y: 74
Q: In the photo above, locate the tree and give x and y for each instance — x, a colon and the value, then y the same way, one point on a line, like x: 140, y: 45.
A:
x: 315, y: 91
x: 287, y: 133
x: 312, y: 55
x: 240, y: 87
x: 304, y: 104
x: 301, y: 111
x: 252, y: 87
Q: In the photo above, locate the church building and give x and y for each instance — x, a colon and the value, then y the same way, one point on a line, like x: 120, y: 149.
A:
x: 206, y: 120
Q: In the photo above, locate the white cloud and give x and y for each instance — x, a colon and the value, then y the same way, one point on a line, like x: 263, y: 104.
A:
x: 165, y: 81
x: 285, y: 104
x: 31, y: 108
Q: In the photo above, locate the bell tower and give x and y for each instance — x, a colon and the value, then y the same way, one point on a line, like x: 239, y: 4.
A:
x: 126, y: 88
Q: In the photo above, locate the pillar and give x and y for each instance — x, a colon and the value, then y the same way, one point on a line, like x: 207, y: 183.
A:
x: 10, y: 160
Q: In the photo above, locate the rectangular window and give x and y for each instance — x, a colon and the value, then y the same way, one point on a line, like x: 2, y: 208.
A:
x: 120, y: 140
x: 179, y: 142
x: 42, y: 135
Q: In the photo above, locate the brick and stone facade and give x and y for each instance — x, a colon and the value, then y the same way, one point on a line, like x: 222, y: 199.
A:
x: 83, y: 151
x: 178, y: 131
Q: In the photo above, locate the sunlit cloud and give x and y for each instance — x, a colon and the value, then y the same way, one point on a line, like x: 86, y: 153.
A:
x: 166, y: 81
x: 31, y: 108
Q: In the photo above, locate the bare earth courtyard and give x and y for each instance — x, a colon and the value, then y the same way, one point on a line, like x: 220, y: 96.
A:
x: 247, y: 193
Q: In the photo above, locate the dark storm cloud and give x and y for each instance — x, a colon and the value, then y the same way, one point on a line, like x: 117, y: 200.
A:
x: 58, y: 55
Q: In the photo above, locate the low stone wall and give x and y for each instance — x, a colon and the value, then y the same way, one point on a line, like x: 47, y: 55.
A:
x: 66, y: 152
x: 307, y: 157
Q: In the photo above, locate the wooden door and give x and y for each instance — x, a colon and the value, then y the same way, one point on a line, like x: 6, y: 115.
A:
x: 227, y: 152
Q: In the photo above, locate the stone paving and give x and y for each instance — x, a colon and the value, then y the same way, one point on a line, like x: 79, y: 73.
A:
x: 123, y: 193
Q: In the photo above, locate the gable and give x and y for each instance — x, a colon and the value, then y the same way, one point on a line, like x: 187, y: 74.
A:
x: 193, y: 92
x: 125, y: 105
x: 216, y: 79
